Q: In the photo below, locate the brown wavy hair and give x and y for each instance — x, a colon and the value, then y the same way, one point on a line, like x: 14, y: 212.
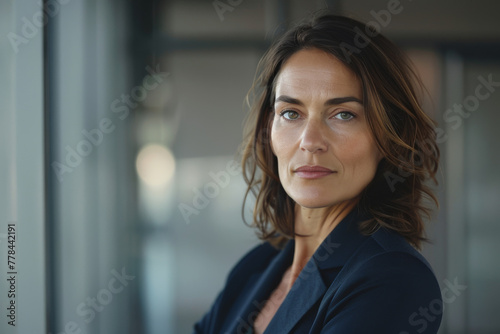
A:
x: 398, y: 196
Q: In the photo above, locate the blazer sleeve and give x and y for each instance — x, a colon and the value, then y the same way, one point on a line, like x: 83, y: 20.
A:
x: 207, y: 323
x: 392, y: 292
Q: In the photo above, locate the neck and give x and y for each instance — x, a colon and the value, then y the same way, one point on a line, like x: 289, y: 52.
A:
x: 312, y: 226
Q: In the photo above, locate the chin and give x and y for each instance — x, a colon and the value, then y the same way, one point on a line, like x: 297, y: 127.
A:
x: 314, y: 200
x: 319, y: 198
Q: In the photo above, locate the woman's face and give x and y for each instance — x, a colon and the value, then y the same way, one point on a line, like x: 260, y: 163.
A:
x: 325, y: 150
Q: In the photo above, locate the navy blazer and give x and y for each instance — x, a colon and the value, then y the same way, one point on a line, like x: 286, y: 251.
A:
x: 352, y: 284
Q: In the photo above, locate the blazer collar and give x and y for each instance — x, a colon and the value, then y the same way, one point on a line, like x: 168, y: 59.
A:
x: 262, y: 289
x: 310, y: 286
x: 305, y: 292
x: 342, y: 242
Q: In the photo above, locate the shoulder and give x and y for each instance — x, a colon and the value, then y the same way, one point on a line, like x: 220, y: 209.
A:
x: 396, y: 273
x: 391, y: 251
x: 386, y: 255
x: 391, y: 284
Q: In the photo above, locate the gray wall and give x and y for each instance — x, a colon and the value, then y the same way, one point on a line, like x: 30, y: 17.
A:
x: 159, y: 197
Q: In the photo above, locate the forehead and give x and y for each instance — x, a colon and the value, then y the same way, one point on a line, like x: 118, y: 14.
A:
x: 315, y: 71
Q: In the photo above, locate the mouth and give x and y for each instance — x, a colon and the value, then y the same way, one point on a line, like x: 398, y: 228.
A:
x: 313, y: 172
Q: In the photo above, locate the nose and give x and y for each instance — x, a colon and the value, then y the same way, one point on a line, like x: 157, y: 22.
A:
x: 313, y: 139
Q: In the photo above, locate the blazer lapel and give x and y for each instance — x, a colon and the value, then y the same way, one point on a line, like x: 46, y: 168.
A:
x: 260, y: 292
x: 305, y: 292
x: 319, y: 273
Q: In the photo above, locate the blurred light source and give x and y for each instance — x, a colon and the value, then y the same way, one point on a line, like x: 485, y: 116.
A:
x: 155, y: 165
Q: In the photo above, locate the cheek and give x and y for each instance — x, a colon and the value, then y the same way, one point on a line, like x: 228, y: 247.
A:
x: 278, y: 140
x: 360, y: 158
x: 282, y: 147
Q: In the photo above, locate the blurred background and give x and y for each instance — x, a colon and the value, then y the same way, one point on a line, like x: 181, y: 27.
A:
x: 119, y: 128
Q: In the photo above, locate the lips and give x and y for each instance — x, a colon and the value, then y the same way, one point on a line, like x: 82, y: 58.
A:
x: 313, y: 172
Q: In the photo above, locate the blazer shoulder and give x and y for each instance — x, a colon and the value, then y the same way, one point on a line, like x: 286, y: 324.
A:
x: 394, y: 291
x: 389, y: 242
x: 389, y: 283
x: 387, y: 262
x: 398, y: 269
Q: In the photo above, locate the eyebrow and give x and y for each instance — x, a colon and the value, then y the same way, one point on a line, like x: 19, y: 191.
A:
x: 330, y: 102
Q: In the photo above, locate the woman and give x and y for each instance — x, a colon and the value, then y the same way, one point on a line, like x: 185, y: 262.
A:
x: 337, y: 153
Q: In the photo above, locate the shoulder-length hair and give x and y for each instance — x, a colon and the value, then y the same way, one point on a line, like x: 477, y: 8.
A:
x: 403, y: 133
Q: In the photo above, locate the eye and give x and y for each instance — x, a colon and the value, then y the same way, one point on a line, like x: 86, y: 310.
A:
x: 344, y: 116
x: 290, y: 115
